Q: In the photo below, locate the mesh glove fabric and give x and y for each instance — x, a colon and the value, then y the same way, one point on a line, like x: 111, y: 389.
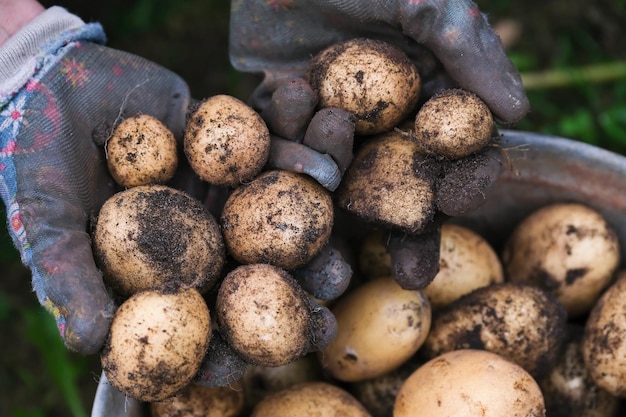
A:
x: 53, y: 179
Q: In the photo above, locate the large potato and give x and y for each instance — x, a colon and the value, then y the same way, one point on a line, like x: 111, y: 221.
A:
x: 470, y: 383
x: 380, y: 326
x: 199, y: 401
x: 156, y: 343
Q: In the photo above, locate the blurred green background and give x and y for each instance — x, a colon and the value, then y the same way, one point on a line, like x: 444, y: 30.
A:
x: 571, y: 54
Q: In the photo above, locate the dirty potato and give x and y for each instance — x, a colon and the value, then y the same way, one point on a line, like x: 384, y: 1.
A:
x: 199, y: 401
x: 373, y: 80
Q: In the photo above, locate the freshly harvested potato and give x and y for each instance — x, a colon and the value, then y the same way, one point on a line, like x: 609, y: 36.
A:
x: 154, y: 236
x: 373, y: 256
x: 141, y: 150
x: 310, y: 399
x: 604, y: 342
x: 466, y: 262
x: 267, y: 318
x: 199, y: 401
x: 470, y: 383
x: 523, y: 323
x: 156, y: 343
x: 280, y: 217
x: 566, y: 248
x: 226, y: 142
x: 373, y: 80
x: 569, y: 390
x: 390, y: 183
x: 454, y: 123
x: 380, y: 326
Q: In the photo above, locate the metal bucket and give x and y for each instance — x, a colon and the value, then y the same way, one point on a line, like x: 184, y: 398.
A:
x: 543, y: 169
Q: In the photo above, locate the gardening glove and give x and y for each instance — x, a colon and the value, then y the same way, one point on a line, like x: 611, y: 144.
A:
x: 452, y: 45
x: 59, y: 86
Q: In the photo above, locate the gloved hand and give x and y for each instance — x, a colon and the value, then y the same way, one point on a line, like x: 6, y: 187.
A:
x: 58, y: 87
x: 450, y: 42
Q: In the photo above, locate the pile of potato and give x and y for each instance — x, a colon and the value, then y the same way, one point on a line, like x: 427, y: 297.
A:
x: 533, y: 328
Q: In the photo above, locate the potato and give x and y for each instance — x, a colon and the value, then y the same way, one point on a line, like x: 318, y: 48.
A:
x: 454, y: 123
x: 156, y: 343
x: 469, y: 383
x: 267, y: 318
x: 373, y: 256
x: 310, y: 399
x: 569, y: 390
x: 226, y: 142
x: 374, y: 80
x: 199, y: 401
x: 141, y: 150
x: 156, y: 236
x: 380, y: 326
x: 604, y: 342
x: 280, y: 217
x: 390, y: 183
x: 566, y: 248
x: 466, y: 262
x: 522, y: 323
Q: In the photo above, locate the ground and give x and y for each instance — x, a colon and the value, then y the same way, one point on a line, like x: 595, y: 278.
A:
x: 39, y: 378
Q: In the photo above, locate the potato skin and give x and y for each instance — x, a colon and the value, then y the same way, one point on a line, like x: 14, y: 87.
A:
x: 522, y: 323
x: 567, y: 249
x: 156, y: 343
x: 604, y: 341
x: 282, y: 218
x: 157, y: 236
x: 200, y: 401
x: 310, y: 399
x: 469, y: 383
x: 380, y: 326
x: 390, y: 183
x: 375, y: 81
x: 264, y: 315
x: 142, y: 150
x: 226, y: 142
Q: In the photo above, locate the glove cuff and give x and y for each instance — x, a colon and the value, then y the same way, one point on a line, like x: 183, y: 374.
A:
x: 31, y: 48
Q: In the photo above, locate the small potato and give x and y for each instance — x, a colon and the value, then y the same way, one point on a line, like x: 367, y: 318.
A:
x: 200, y: 401
x: 226, y: 142
x: 280, y: 217
x: 156, y: 343
x: 374, y: 258
x: 156, y: 236
x: 310, y: 399
x: 522, y: 323
x: 267, y: 318
x: 141, y: 151
x: 567, y: 249
x: 380, y: 326
x: 604, y: 342
x: 390, y: 183
x: 466, y: 262
x: 470, y: 383
x: 375, y: 81
x: 569, y: 390
x: 454, y: 123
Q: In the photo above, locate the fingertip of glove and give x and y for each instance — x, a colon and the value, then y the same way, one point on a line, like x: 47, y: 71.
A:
x: 87, y: 335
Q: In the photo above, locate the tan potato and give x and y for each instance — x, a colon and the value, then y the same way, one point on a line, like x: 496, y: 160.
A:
x: 280, y: 217
x: 604, y: 342
x: 267, y: 318
x: 470, y: 383
x: 199, y: 401
x: 454, y: 123
x: 522, y: 323
x: 566, y: 248
x: 380, y: 326
x: 374, y: 258
x: 466, y: 262
x: 226, y: 142
x: 375, y: 81
x: 141, y: 150
x: 390, y: 183
x: 569, y: 390
x: 310, y: 399
x: 156, y: 343
x: 154, y: 236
